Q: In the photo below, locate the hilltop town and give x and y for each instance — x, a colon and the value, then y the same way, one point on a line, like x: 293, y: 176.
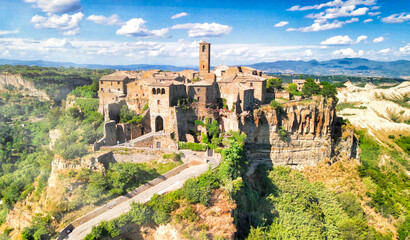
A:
x: 175, y: 106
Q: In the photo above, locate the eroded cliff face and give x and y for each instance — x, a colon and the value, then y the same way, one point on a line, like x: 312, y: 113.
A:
x: 23, y: 85
x: 309, y: 126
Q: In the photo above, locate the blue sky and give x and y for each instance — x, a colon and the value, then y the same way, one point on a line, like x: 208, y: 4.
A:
x: 168, y: 32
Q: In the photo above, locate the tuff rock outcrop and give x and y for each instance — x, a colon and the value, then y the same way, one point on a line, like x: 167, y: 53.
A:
x: 307, y: 128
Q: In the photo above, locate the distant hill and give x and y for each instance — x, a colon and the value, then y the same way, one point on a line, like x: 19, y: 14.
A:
x: 346, y: 66
x: 42, y: 63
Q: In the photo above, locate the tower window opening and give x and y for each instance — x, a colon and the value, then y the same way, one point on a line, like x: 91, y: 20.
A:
x: 203, y: 48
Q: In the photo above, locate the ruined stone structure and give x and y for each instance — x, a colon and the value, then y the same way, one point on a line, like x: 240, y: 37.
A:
x: 236, y: 97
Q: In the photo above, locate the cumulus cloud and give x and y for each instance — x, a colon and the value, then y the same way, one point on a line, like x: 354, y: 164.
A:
x: 343, y: 40
x: 56, y: 6
x: 136, y: 28
x: 204, y: 29
x: 5, y: 32
x: 111, y: 20
x: 179, y: 15
x: 385, y: 51
x: 379, y: 39
x: 396, y: 18
x: 361, y: 38
x: 348, y: 52
x: 338, y: 40
x: 368, y: 20
x: 281, y: 24
x: 321, y: 25
x: 67, y: 24
x: 344, y: 11
x: 57, y: 43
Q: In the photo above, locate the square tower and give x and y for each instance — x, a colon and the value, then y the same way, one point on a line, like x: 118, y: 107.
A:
x: 204, y: 57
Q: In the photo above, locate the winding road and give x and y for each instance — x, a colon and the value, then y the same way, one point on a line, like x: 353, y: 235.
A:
x: 170, y: 184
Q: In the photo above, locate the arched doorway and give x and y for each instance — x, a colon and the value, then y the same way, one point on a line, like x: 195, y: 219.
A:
x: 159, y: 124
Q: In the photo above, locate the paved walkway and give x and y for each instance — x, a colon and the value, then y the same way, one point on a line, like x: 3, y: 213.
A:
x: 170, y: 184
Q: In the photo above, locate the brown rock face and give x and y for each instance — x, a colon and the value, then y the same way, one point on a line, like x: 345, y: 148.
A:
x: 309, y: 127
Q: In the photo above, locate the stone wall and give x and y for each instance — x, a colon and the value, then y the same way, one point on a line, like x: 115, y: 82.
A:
x: 309, y: 126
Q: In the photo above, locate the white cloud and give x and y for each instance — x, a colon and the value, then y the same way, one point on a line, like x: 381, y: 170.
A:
x: 111, y: 20
x: 6, y: 54
x: 396, y: 18
x: 281, y: 24
x: 379, y: 39
x: 344, y: 11
x: 384, y: 51
x: 338, y: 40
x: 343, y: 40
x: 136, y: 28
x: 5, y: 32
x: 67, y: 24
x: 179, y: 15
x: 204, y: 29
x: 56, y: 6
x: 321, y: 25
x: 348, y: 52
x: 361, y: 38
x: 374, y: 13
x: 375, y: 8
x: 57, y: 43
x: 368, y: 20
x: 335, y: 3
x: 307, y: 53
x: 405, y: 49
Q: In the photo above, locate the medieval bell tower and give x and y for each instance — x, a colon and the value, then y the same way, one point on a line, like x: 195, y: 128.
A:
x: 204, y: 57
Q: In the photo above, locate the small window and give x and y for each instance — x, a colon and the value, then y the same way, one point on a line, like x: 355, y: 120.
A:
x: 102, y: 89
x: 101, y: 82
x: 158, y: 102
x: 199, y: 89
x: 118, y: 82
x: 197, y: 99
x: 163, y: 91
x: 118, y: 89
x: 203, y: 66
x: 251, y: 84
x: 143, y: 94
x: 137, y: 94
x: 154, y: 91
x: 203, y: 48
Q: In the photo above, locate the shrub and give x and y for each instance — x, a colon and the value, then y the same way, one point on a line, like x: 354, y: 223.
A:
x: 283, y: 134
x: 277, y: 106
x: 200, y: 147
x: 310, y: 88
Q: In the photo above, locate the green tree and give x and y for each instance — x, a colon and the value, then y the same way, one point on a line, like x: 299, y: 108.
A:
x: 328, y: 90
x: 292, y: 87
x: 310, y: 88
x: 274, y: 83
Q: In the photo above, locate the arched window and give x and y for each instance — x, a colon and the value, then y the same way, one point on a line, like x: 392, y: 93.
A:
x: 159, y: 124
x: 153, y: 91
x: 158, y: 91
x: 203, y: 48
x: 163, y: 91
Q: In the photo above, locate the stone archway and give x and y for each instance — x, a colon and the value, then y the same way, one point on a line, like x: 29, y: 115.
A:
x: 159, y: 124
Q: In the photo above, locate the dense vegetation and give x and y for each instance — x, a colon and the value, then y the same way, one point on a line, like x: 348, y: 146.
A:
x: 53, y: 79
x: 338, y: 79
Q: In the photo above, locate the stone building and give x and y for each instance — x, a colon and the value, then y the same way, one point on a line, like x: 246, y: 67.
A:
x: 301, y: 82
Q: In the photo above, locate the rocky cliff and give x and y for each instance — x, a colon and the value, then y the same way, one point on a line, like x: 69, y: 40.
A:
x: 23, y: 85
x: 306, y: 129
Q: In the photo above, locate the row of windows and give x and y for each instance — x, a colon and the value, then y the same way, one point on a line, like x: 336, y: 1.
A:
x: 118, y: 82
x: 158, y: 91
